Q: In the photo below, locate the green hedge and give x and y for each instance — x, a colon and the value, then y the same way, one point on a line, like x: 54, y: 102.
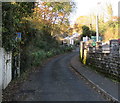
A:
x: 40, y: 55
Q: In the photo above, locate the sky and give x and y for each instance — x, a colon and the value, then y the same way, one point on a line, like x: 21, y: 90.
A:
x: 86, y: 7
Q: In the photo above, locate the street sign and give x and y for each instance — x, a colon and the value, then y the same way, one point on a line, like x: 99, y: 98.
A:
x: 94, y: 38
x: 18, y: 36
x: 93, y: 43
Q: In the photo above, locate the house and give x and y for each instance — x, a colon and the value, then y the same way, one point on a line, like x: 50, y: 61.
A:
x: 69, y: 40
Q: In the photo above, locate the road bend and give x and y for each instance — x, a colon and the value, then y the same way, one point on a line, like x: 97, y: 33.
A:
x: 55, y: 81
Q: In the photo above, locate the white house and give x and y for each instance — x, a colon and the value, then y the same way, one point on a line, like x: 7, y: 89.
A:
x: 70, y: 39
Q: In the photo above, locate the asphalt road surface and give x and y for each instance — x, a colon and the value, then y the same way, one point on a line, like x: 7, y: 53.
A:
x: 55, y: 81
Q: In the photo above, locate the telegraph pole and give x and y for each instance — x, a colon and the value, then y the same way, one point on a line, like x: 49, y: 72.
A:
x: 97, y: 24
x: 97, y: 29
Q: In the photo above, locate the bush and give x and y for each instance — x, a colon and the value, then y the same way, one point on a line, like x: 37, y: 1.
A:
x: 37, y: 57
x: 40, y: 47
x: 49, y: 54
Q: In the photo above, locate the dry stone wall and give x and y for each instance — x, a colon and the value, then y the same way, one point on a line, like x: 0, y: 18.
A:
x: 105, y: 62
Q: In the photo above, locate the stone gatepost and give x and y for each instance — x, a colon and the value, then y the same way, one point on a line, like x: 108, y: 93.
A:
x: 114, y: 47
x: 82, y: 44
x: 98, y: 47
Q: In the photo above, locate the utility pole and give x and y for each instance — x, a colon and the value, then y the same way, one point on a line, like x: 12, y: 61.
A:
x: 97, y: 24
x: 97, y: 29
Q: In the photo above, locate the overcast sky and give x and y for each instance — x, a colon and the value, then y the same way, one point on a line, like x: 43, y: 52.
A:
x: 86, y: 7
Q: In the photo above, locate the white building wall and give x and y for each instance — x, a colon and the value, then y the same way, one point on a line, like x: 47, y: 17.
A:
x: 1, y: 72
x: 7, y: 68
x: 71, y: 41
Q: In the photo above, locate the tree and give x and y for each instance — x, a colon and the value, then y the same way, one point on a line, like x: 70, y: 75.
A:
x: 109, y: 11
x: 85, y: 20
x: 12, y: 15
x: 87, y: 32
x: 78, y: 27
x: 53, y: 14
x: 36, y: 22
x: 111, y: 30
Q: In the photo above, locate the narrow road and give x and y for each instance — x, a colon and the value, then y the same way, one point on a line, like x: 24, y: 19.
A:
x: 57, y: 82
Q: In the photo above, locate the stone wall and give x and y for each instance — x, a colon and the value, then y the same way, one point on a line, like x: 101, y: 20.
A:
x: 107, y: 62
